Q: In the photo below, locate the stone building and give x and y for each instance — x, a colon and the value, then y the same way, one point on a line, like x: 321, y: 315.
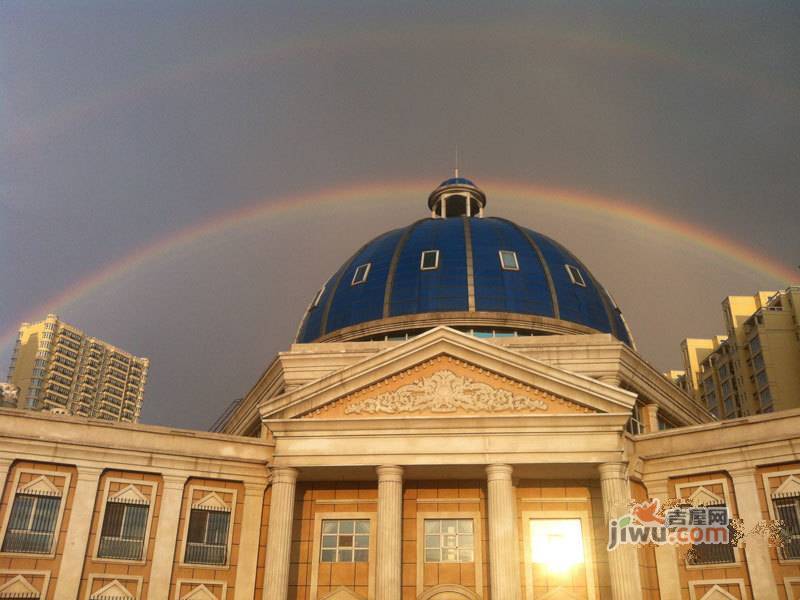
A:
x: 461, y: 416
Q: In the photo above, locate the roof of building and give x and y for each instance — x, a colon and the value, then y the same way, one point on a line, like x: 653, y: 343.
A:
x: 386, y: 279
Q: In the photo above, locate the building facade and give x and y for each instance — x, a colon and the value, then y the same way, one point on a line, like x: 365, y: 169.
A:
x: 755, y: 368
x: 57, y: 367
x: 429, y: 436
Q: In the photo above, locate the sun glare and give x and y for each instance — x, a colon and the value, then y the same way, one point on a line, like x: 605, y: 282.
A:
x: 556, y: 543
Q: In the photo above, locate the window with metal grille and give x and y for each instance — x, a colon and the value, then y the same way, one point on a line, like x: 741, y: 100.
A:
x: 123, y: 533
x: 32, y: 524
x: 713, y: 554
x: 449, y: 540
x: 787, y: 509
x: 207, y: 540
x: 345, y: 540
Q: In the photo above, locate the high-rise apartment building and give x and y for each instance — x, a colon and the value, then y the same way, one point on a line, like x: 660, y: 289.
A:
x: 756, y: 367
x: 57, y: 367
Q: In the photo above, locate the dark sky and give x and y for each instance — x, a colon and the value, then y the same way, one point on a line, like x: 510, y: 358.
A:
x: 125, y: 123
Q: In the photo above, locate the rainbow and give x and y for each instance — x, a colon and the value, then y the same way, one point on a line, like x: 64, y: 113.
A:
x: 623, y: 213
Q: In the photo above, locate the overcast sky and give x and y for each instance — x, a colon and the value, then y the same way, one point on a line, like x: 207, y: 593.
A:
x: 125, y: 123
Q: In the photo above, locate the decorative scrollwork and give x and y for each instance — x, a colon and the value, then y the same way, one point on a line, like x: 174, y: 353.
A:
x: 446, y: 392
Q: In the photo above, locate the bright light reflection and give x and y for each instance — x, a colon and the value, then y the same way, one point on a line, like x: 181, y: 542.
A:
x: 556, y: 543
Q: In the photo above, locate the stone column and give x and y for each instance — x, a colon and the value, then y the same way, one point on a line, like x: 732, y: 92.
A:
x: 669, y: 583
x: 756, y: 549
x: 80, y: 522
x: 388, y: 571
x: 169, y: 514
x: 248, y: 541
x: 503, y: 545
x: 279, y: 534
x: 623, y: 562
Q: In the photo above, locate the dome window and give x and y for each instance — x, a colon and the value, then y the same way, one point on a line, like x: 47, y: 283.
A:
x: 360, y: 276
x: 575, y: 275
x: 429, y: 260
x: 508, y: 260
x: 318, y: 297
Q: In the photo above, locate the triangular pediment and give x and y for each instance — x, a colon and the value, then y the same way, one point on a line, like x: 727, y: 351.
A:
x: 790, y: 487
x: 446, y: 386
x: 211, y: 501
x: 129, y: 494
x: 112, y: 591
x: 703, y: 497
x: 42, y: 486
x: 342, y: 593
x: 201, y: 592
x: 447, y: 373
x: 717, y: 593
x: 18, y: 587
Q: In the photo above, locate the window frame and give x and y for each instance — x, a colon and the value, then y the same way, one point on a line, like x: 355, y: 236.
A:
x: 477, y: 544
x: 318, y: 297
x: 316, y: 545
x: 503, y: 266
x: 189, y: 492
x: 587, y: 535
x: 732, y: 513
x: 358, y: 281
x: 766, y: 476
x: 65, y: 489
x: 435, y: 266
x: 153, y: 486
x: 440, y: 535
x: 572, y: 271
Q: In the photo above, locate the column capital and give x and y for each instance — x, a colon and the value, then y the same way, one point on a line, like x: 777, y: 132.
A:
x: 89, y: 473
x: 284, y: 475
x: 656, y: 488
x: 744, y: 473
x: 174, y: 482
x: 389, y: 473
x: 613, y: 470
x: 254, y: 489
x: 499, y: 472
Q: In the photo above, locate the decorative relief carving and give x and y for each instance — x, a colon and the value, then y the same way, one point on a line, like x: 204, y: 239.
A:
x: 446, y: 392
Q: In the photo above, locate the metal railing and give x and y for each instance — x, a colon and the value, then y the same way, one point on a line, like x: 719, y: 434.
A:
x: 31, y: 542
x: 205, y: 554
x: 120, y: 548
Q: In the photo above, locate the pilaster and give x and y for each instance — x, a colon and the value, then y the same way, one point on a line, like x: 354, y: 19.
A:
x: 669, y: 583
x: 80, y: 522
x: 169, y: 515
x: 249, y: 541
x: 756, y: 549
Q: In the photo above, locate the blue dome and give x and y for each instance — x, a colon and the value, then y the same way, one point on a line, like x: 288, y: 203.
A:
x: 468, y: 272
x: 457, y: 181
